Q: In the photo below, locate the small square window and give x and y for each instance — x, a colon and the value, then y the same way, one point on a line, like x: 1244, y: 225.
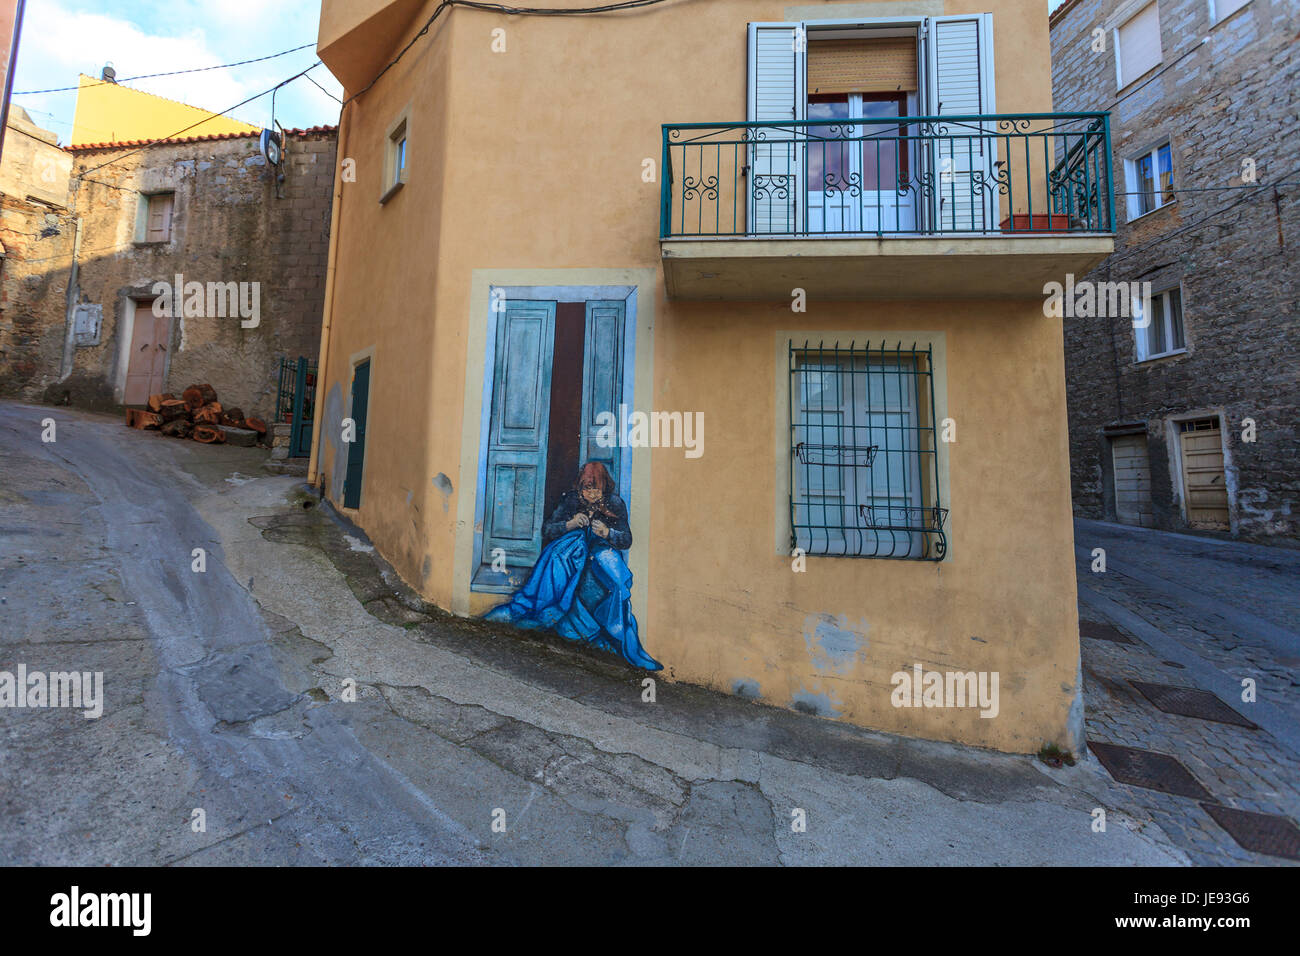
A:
x: 395, y: 159
x: 1137, y: 45
x: 1161, y: 334
x: 1222, y: 9
x: 154, y: 218
x: 1151, y: 181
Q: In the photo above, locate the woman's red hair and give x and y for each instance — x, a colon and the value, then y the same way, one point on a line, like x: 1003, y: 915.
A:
x: 594, y: 474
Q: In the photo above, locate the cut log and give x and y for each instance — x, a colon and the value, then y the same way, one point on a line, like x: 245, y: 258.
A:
x: 173, y: 409
x: 142, y: 418
x: 208, y: 434
x: 243, y: 437
x: 178, y: 428
x: 255, y: 424
x: 193, y: 397
x: 155, y: 402
x: 233, y: 416
x: 208, y: 415
x: 209, y: 394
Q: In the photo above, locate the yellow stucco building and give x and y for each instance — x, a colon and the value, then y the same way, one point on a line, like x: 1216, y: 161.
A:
x: 109, y: 113
x: 780, y: 269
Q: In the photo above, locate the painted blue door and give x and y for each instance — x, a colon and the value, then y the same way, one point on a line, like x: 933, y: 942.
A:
x: 602, y: 380
x: 516, y: 451
x: 357, y: 447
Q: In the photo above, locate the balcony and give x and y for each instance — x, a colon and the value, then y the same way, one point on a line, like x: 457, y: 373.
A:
x: 988, y: 206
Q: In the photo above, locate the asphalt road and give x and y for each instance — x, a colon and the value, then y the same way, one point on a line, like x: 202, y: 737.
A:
x: 97, y: 569
x: 229, y: 691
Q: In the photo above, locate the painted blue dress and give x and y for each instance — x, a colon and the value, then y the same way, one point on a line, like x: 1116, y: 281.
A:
x: 581, y: 587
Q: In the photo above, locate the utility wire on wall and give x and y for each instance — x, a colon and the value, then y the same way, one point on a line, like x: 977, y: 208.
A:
x: 509, y: 11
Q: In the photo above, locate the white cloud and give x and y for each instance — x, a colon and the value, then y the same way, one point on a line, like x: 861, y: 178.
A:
x: 60, y: 40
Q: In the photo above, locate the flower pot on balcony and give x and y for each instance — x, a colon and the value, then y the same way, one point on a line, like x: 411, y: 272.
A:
x: 1041, y: 222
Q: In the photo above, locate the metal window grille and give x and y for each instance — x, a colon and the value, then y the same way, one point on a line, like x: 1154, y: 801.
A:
x: 864, y: 475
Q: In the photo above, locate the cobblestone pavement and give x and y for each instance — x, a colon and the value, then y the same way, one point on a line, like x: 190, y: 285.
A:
x: 1207, y: 614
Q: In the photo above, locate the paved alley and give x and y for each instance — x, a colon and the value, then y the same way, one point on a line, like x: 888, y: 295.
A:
x: 1171, y: 630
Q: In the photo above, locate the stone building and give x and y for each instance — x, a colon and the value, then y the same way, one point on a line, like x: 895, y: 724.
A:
x: 36, y: 250
x: 245, y: 241
x: 1185, y: 416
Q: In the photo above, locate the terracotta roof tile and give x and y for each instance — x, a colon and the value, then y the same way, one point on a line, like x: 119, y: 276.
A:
x: 125, y: 144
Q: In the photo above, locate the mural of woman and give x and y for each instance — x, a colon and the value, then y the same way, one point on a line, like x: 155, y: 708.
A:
x: 581, y: 586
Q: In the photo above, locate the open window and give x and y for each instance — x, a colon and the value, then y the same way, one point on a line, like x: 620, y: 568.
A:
x: 831, y: 151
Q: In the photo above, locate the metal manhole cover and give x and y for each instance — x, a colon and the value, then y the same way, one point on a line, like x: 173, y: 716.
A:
x: 1103, y: 632
x: 1146, y: 768
x: 1258, y: 832
x: 1191, y: 702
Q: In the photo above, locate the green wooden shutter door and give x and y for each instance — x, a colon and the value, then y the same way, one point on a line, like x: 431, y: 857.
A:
x: 517, y: 440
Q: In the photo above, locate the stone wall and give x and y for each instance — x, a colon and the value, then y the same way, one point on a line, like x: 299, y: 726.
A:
x: 231, y: 223
x: 1219, y: 102
x: 36, y: 231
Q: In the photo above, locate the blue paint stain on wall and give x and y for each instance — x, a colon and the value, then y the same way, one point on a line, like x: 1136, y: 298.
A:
x: 332, y: 431
x: 832, y: 643
x: 744, y: 687
x: 821, y: 705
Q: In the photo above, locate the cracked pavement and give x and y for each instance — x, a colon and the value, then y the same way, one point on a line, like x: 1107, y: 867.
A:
x: 319, y: 713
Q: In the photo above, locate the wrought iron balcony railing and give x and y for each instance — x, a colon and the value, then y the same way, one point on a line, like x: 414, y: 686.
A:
x: 1015, y: 174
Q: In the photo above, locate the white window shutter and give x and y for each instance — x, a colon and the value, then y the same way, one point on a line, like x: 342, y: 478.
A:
x: 956, y: 71
x: 959, y: 82
x: 778, y: 64
x: 1139, y: 44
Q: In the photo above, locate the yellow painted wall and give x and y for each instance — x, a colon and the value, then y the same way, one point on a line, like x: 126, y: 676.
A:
x: 531, y: 159
x: 109, y: 113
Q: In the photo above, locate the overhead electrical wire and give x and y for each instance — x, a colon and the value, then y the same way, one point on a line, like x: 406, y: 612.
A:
x: 205, y: 119
x: 150, y: 76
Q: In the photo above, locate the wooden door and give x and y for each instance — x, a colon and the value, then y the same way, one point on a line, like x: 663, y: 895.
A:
x: 146, y: 370
x: 517, y: 437
x: 1205, y: 486
x: 1132, y: 465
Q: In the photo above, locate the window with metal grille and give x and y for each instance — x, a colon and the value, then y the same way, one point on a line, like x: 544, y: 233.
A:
x: 864, y: 475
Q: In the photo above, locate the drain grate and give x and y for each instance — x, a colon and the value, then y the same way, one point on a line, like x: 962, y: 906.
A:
x: 1146, y: 768
x: 1191, y: 702
x: 1103, y: 632
x: 1266, y: 833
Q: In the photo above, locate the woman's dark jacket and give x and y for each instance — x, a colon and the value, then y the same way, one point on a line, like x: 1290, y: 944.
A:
x: 620, y: 535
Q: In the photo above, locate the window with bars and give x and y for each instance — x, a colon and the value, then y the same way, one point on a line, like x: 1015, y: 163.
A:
x: 864, y: 475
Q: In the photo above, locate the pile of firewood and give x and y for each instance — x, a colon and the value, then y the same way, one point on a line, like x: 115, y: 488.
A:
x: 196, y: 414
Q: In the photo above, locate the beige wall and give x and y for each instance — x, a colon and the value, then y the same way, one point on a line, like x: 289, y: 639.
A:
x: 532, y: 159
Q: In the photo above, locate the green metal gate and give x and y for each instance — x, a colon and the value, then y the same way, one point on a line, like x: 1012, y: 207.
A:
x: 296, y: 403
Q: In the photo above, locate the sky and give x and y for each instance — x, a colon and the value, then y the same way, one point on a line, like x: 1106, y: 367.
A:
x: 62, y: 38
